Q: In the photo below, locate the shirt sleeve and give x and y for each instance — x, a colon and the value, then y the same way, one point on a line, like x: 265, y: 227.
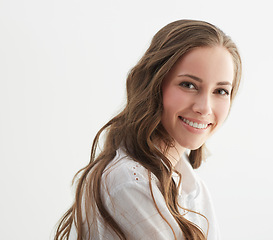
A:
x: 133, y: 208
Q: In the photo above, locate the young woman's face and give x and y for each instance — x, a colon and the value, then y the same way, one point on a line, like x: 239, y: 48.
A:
x: 196, y: 96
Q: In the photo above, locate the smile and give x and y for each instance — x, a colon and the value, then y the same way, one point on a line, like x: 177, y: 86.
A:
x: 194, y: 124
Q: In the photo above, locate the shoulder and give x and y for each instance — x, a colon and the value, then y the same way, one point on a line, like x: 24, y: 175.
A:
x: 124, y: 172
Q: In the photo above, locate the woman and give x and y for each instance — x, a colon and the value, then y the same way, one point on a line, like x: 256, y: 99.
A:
x: 141, y: 185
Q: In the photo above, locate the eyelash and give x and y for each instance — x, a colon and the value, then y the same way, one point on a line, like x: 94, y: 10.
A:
x: 221, y: 89
x: 187, y: 84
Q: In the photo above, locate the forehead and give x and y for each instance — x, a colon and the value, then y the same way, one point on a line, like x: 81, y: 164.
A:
x: 207, y: 63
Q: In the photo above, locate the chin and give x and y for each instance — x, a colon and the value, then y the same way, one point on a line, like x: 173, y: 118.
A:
x: 193, y: 146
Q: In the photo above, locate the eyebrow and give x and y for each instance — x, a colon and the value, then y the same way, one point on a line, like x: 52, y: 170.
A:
x: 200, y: 80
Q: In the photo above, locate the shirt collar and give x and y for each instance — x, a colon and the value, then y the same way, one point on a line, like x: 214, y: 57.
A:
x: 189, y: 177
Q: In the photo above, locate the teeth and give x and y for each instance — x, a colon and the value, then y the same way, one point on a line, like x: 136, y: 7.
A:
x: 194, y: 124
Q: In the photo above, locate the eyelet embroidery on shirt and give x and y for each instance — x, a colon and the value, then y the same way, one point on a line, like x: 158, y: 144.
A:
x: 153, y: 177
x: 134, y: 172
x: 183, y: 212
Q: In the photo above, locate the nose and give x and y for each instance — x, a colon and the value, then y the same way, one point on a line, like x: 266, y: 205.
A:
x: 202, y: 105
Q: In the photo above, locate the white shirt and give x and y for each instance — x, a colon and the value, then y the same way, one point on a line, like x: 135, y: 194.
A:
x: 126, y: 195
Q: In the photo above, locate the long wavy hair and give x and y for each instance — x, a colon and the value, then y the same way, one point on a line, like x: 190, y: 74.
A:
x: 138, y: 127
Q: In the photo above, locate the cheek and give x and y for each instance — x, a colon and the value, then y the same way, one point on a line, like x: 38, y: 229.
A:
x: 174, y: 100
x: 171, y: 107
x: 223, y: 110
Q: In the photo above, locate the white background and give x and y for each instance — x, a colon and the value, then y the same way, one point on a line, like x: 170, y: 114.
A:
x: 63, y: 66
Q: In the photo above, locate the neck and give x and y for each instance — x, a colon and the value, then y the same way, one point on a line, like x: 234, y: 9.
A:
x: 174, y: 153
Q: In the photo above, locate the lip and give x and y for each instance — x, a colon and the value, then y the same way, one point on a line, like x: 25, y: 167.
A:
x: 193, y: 129
x: 196, y: 120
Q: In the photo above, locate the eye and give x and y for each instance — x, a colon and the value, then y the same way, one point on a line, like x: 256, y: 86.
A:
x: 222, y: 92
x: 188, y: 85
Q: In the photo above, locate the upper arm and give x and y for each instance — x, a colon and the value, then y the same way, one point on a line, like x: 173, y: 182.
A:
x: 132, y: 207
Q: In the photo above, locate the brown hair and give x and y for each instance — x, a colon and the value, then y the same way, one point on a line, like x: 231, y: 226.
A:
x: 138, y: 127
